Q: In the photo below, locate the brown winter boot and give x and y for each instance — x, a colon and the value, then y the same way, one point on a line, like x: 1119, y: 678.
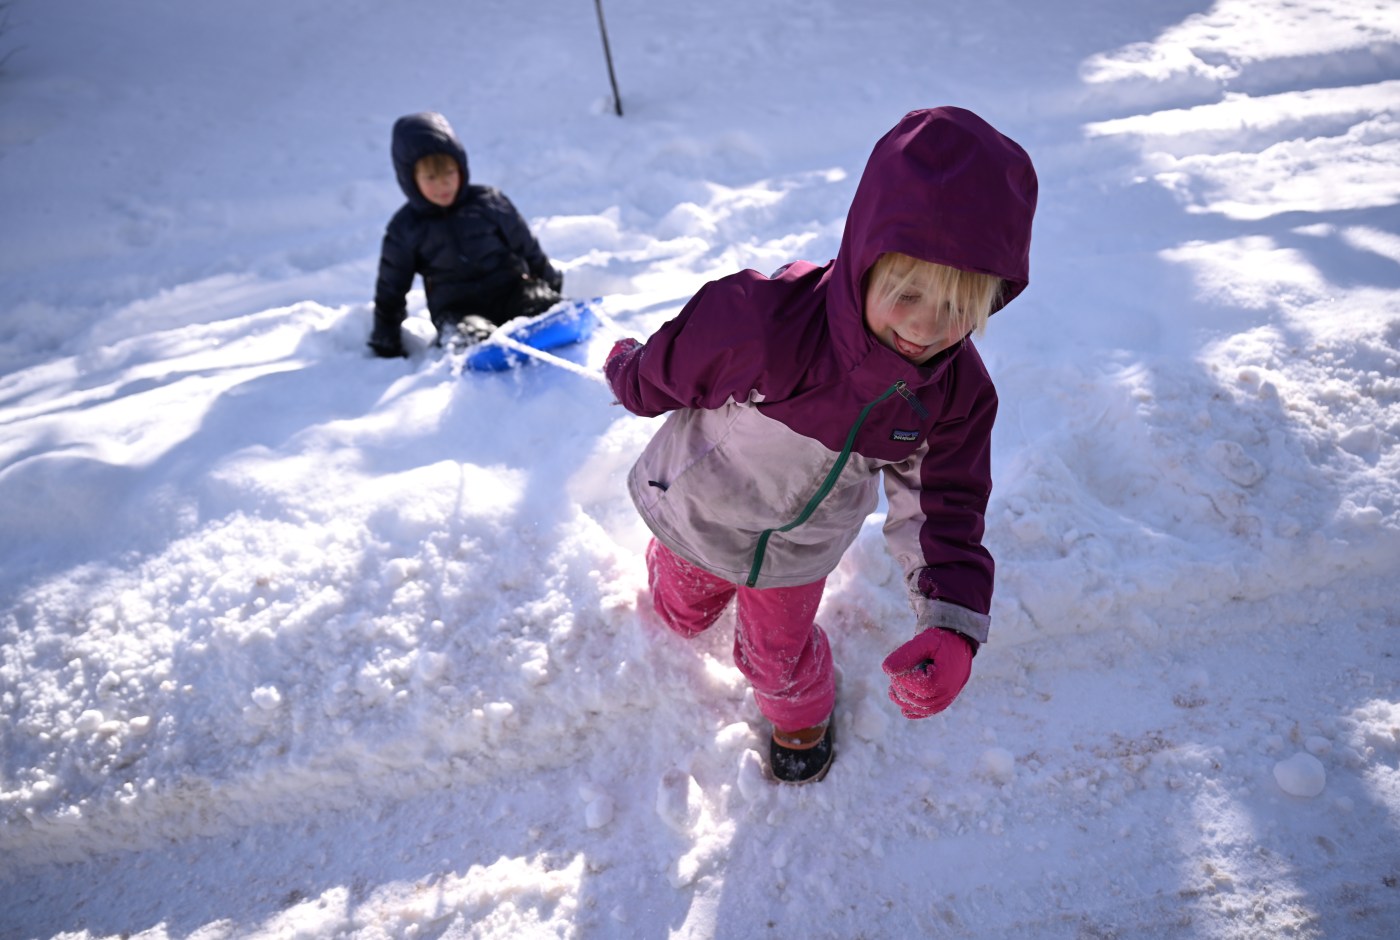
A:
x: 802, y: 756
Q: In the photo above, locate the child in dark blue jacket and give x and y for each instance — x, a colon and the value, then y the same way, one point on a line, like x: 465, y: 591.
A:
x: 480, y: 265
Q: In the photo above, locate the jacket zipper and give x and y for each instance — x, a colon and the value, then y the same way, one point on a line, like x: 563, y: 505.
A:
x: 903, y: 390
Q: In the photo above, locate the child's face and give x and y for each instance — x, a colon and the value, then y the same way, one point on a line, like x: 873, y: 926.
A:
x: 915, y: 322
x: 437, y: 186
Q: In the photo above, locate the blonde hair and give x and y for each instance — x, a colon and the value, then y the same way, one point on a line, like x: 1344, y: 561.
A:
x: 971, y: 293
x: 436, y: 164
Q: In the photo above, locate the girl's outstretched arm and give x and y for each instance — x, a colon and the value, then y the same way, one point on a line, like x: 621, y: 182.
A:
x: 699, y: 359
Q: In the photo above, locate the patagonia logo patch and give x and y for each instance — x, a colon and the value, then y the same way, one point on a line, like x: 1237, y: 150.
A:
x: 904, y: 436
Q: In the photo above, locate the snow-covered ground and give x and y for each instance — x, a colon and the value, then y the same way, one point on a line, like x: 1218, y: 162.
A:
x: 294, y: 642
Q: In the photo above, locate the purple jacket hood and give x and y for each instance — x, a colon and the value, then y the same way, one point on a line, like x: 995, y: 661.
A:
x: 943, y: 186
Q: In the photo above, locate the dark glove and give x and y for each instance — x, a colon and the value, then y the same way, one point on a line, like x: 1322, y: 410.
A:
x: 387, y: 342
x: 555, y: 280
x: 929, y: 671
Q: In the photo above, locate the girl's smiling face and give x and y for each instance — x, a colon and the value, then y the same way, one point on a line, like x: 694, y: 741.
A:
x: 917, y: 321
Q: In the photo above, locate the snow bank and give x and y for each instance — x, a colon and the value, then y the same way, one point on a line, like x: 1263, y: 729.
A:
x: 297, y: 641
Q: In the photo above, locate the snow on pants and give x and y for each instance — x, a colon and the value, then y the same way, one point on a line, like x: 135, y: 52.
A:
x: 777, y: 644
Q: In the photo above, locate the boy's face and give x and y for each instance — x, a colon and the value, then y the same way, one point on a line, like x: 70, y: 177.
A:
x: 438, y: 186
x: 914, y: 322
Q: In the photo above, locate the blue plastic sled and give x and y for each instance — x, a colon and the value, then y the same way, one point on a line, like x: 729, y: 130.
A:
x: 568, y: 321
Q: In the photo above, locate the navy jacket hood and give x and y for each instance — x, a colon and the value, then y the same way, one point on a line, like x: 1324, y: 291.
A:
x: 417, y: 136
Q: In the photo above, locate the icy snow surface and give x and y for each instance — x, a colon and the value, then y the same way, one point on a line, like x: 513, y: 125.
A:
x: 294, y: 642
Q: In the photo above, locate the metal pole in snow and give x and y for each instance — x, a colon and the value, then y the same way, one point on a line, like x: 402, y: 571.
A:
x: 607, y: 54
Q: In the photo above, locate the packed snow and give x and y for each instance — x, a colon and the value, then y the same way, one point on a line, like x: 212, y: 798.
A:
x: 297, y: 642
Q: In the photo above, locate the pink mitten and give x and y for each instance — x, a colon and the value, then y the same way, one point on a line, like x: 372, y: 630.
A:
x: 929, y: 671
x: 621, y: 348
x: 617, y: 358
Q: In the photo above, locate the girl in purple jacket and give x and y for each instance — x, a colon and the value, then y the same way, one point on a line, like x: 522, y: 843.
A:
x: 787, y: 396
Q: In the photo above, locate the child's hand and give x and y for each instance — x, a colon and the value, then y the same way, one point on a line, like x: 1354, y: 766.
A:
x: 387, y: 342
x: 617, y: 356
x: 621, y: 348
x: 929, y: 671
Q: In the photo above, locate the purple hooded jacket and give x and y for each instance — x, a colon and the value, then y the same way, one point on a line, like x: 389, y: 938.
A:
x: 784, y: 409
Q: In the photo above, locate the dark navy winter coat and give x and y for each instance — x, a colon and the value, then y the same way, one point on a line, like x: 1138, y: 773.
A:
x: 477, y: 256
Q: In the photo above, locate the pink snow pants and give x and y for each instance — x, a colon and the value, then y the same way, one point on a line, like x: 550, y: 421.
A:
x: 777, y: 644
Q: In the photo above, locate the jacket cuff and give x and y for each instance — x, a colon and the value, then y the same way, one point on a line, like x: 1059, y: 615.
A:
x: 949, y: 616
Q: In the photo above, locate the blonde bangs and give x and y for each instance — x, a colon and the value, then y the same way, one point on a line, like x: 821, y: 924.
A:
x: 971, y: 293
